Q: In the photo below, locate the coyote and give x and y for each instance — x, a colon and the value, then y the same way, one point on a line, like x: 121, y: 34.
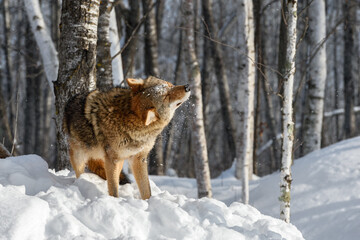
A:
x: 106, y: 128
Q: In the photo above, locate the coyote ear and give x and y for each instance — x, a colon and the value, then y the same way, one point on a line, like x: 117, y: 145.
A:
x: 150, y: 116
x: 135, y: 84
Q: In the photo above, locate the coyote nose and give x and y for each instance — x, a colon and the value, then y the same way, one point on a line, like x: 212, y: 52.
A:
x: 187, y: 88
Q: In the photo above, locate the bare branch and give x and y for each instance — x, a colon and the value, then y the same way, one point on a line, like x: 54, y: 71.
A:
x: 142, y: 20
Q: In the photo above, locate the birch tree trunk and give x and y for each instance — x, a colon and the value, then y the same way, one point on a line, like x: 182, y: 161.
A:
x: 198, y: 132
x: 226, y: 108
x: 349, y: 10
x: 108, y: 71
x: 159, y: 17
x: 6, y: 116
x: 152, y: 68
x: 245, y: 99
x: 314, y: 105
x: 77, y: 58
x: 33, y: 83
x: 103, y: 57
x: 132, y: 17
x: 151, y: 43
x: 287, y: 70
x: 43, y: 39
x: 117, y: 67
x: 169, y: 153
x: 8, y: 62
x: 205, y: 75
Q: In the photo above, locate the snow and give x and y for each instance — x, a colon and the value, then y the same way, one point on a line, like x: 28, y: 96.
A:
x: 37, y: 203
x: 325, y: 192
x: 325, y: 196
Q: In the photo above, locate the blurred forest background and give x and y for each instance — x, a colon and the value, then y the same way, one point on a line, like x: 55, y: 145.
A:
x: 27, y: 106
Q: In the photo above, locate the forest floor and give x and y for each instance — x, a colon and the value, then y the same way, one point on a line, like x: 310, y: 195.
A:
x: 37, y: 203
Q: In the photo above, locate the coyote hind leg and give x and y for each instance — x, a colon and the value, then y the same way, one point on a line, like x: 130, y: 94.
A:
x: 77, y: 159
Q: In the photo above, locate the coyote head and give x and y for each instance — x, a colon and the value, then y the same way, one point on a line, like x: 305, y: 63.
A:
x: 155, y: 99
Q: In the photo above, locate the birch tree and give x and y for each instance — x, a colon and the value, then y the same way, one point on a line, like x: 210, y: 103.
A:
x: 349, y: 9
x: 33, y: 95
x: 245, y: 98
x: 104, y: 79
x: 152, y: 68
x: 77, y: 60
x: 223, y: 85
x: 151, y: 43
x: 287, y: 50
x: 132, y: 17
x: 8, y: 60
x: 6, y: 122
x: 117, y: 68
x: 314, y: 105
x: 198, y: 131
x: 43, y: 39
x: 109, y: 71
x: 36, y: 96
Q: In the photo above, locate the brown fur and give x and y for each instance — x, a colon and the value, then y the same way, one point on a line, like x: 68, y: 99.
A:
x: 97, y: 166
x: 106, y: 128
x: 4, y: 153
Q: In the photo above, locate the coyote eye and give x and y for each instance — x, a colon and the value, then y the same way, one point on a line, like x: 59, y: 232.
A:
x: 179, y: 104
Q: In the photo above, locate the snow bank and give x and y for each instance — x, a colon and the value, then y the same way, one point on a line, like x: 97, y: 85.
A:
x: 39, y: 204
x: 325, y: 195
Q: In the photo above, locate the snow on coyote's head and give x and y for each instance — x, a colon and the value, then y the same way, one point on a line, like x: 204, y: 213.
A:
x: 155, y: 99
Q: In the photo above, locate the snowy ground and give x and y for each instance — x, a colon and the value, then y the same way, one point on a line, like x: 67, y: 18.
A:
x: 325, y: 201
x: 39, y: 204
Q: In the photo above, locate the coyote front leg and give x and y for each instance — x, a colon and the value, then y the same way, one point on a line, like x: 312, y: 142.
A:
x: 139, y: 168
x: 113, y: 167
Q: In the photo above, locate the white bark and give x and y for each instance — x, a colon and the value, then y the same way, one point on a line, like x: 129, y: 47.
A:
x: 46, y: 7
x: 314, y: 106
x: 117, y: 69
x: 287, y: 110
x: 198, y: 131
x: 245, y: 97
x: 43, y: 39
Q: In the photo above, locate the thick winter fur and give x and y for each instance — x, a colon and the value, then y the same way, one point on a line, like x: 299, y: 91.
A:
x: 106, y: 128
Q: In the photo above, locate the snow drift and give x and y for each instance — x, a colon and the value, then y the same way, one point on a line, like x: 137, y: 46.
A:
x: 325, y: 192
x: 36, y: 203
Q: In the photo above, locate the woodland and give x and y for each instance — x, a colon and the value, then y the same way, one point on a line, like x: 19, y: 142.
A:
x: 233, y: 53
